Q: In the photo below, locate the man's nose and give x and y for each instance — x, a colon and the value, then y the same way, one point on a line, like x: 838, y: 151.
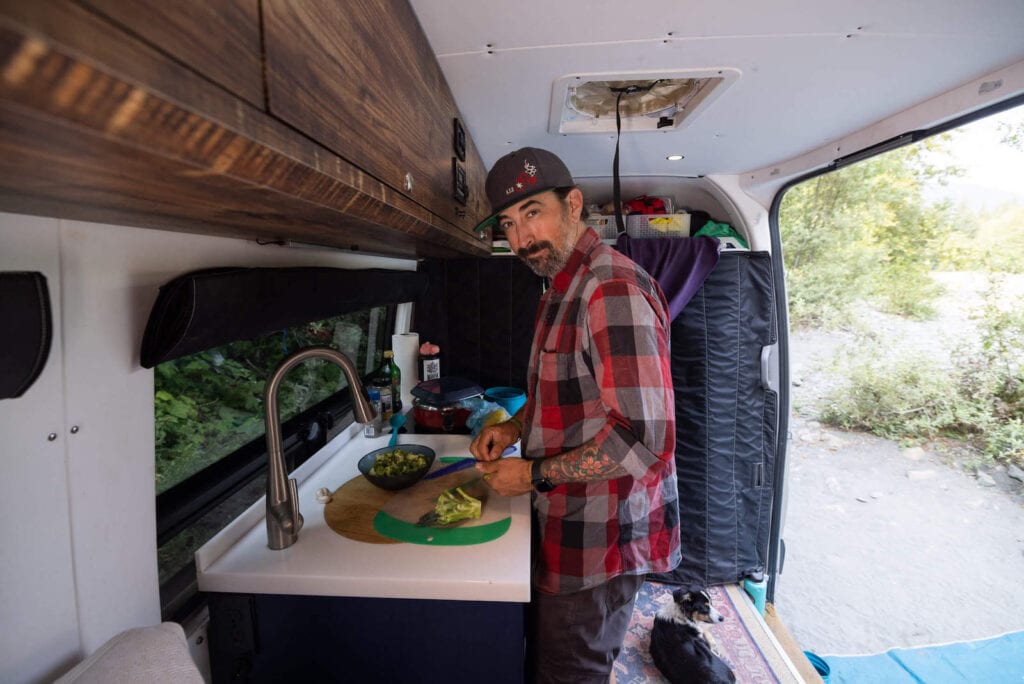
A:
x: 524, y: 237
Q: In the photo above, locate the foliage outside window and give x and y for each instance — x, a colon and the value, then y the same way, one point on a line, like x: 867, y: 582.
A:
x: 871, y: 237
x: 211, y: 403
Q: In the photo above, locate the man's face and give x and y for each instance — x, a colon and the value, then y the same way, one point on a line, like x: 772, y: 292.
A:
x: 542, y: 231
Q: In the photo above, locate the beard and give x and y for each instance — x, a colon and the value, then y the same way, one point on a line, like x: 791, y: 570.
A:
x: 545, y: 259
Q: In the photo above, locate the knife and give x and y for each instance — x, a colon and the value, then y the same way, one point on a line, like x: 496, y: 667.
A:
x: 461, y: 464
x: 455, y: 467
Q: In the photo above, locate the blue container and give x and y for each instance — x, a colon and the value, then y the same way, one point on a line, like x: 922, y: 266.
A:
x: 820, y: 666
x: 758, y: 592
x: 509, y: 398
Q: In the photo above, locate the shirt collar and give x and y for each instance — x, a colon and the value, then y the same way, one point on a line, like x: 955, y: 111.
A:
x: 588, y: 240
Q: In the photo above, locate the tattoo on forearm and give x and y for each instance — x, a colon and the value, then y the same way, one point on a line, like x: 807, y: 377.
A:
x: 583, y: 464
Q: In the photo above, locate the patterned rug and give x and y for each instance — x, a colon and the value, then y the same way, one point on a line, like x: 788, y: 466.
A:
x: 738, y: 646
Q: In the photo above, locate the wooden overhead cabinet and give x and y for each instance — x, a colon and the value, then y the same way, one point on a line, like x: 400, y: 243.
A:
x: 153, y: 114
x: 360, y: 77
x: 220, y: 40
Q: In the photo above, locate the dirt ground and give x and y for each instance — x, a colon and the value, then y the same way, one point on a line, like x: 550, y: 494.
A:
x: 894, y: 547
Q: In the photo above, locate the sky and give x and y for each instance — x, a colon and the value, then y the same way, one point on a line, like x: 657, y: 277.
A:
x: 994, y: 170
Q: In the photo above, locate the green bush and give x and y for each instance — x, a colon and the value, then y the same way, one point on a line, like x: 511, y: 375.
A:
x: 907, y: 397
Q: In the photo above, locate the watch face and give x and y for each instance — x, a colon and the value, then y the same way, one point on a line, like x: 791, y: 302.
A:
x: 543, y: 485
x: 539, y: 482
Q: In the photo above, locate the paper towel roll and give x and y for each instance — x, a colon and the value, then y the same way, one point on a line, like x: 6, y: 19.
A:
x: 407, y: 354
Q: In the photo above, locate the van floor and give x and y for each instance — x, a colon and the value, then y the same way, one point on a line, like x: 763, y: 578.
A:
x: 758, y: 649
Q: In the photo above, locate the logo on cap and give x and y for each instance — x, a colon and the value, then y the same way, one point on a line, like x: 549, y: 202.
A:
x: 527, y: 177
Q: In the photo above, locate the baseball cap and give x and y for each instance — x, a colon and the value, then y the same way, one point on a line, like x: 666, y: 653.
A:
x: 521, y: 174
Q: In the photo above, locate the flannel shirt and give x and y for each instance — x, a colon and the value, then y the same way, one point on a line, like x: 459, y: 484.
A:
x: 599, y: 369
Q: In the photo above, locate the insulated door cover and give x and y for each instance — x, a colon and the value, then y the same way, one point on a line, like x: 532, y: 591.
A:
x: 725, y: 422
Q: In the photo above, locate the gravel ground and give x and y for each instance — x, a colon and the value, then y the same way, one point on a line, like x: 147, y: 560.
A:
x: 895, y: 547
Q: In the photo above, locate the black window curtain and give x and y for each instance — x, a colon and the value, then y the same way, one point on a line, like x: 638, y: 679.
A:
x: 481, y: 313
x: 28, y: 326
x: 205, y: 309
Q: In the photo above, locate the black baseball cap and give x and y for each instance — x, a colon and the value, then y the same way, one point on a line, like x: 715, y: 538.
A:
x: 521, y: 174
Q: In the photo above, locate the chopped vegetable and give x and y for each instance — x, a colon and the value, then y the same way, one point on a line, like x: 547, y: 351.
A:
x: 397, y: 462
x: 454, y: 505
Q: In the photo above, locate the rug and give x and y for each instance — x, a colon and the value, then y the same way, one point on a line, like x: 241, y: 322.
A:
x: 743, y: 640
x: 999, y: 660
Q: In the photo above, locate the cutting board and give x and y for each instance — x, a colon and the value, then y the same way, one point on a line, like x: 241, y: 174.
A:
x: 351, y: 510
x: 358, y: 508
x: 398, y: 516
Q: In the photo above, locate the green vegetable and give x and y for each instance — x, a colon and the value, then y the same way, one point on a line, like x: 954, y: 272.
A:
x: 397, y: 462
x: 454, y: 505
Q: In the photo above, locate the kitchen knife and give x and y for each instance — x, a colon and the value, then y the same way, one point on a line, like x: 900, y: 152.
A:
x: 461, y: 464
x: 455, y: 467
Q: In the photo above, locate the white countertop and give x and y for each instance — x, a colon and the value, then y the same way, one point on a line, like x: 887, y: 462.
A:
x: 324, y: 563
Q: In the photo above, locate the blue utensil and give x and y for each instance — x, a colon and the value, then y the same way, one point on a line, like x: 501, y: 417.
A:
x: 455, y: 467
x: 461, y: 464
x: 396, y: 422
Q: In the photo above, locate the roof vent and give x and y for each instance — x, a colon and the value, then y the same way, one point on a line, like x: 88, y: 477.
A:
x: 585, y: 103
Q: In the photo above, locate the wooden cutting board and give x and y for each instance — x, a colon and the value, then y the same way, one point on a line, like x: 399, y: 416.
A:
x: 354, y: 507
x: 351, y: 510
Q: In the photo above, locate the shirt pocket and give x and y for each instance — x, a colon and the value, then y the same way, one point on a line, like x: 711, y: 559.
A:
x: 566, y: 385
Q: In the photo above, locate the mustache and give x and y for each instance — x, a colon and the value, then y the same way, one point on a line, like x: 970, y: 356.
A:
x: 535, y: 248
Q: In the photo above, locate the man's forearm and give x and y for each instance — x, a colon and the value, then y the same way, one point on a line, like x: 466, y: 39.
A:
x: 586, y: 463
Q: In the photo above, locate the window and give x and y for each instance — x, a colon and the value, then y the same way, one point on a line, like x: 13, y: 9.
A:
x: 210, y: 450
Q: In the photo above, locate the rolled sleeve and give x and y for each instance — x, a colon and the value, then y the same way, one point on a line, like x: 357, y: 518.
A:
x: 628, y: 343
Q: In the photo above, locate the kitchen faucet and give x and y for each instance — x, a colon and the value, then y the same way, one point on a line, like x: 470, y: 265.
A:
x: 283, y: 518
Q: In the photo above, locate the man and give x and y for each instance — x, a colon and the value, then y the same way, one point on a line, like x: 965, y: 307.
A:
x: 597, y: 430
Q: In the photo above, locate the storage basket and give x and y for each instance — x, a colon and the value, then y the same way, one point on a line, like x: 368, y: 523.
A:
x: 604, y: 225
x: 658, y: 225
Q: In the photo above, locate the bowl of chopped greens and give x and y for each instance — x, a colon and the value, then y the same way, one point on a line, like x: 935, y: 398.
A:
x: 396, y: 467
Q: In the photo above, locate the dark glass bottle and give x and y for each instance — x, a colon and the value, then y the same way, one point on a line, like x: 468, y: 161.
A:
x: 394, y: 373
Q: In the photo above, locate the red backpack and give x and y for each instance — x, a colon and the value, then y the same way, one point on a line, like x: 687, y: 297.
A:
x: 645, y: 204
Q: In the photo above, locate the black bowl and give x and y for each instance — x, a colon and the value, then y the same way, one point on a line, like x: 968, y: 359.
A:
x: 396, y: 482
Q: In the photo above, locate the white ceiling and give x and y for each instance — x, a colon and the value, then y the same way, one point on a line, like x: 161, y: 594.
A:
x: 812, y: 71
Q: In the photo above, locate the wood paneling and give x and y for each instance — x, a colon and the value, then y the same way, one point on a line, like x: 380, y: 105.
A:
x: 80, y: 140
x: 361, y: 78
x: 220, y: 40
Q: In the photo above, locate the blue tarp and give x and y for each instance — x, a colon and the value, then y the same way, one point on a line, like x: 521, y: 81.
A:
x: 993, y: 661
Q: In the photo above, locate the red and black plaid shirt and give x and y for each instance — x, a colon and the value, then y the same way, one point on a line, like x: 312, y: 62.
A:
x: 599, y: 370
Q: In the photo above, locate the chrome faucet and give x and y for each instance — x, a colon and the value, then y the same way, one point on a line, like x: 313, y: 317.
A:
x: 283, y: 518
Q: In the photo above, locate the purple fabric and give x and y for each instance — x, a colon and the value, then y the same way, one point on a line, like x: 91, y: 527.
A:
x: 680, y: 265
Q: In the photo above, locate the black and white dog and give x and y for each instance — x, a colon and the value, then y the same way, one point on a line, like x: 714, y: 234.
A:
x: 680, y: 647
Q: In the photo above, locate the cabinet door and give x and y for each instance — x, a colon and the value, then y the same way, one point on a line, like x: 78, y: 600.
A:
x: 220, y: 40
x: 37, y: 586
x: 360, y: 78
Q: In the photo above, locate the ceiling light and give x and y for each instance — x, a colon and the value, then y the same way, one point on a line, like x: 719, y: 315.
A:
x: 674, y: 157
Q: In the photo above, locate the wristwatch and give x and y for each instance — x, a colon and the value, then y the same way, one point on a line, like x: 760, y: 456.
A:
x: 539, y: 482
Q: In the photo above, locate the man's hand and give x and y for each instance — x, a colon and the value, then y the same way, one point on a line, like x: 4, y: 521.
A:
x: 491, y: 441
x: 508, y: 476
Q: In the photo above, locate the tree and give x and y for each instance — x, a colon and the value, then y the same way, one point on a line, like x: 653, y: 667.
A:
x: 866, y: 231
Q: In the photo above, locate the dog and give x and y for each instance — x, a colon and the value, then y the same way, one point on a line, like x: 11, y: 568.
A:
x: 681, y: 649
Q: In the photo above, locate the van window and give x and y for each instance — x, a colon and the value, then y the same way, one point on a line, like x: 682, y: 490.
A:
x: 210, y: 450
x: 209, y: 404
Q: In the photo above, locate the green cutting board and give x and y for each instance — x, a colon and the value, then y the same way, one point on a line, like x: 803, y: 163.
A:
x: 397, y: 518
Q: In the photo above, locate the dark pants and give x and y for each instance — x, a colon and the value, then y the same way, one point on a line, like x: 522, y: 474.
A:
x: 574, y: 638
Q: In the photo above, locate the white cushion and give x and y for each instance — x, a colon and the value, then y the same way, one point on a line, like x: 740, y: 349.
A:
x: 154, y: 655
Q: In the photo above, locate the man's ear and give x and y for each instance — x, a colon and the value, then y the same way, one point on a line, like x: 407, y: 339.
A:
x: 575, y: 200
